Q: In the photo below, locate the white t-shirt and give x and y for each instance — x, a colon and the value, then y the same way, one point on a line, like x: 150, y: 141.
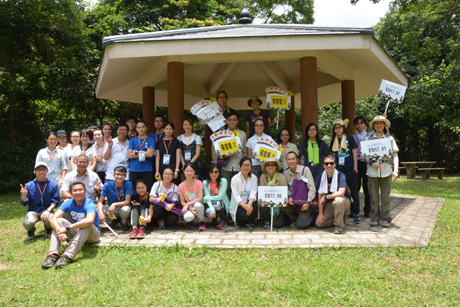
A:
x: 118, y: 157
x: 252, y: 142
x: 159, y: 188
x: 101, y: 166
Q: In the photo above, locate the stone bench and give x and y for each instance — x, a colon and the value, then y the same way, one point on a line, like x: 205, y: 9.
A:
x: 426, y: 172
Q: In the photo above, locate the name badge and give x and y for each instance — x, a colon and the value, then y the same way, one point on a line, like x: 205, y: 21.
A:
x: 341, y: 160
x: 188, y: 155
x: 141, y: 156
x: 51, y: 168
x: 121, y: 159
x: 245, y: 199
x: 304, y: 179
x: 166, y: 159
x: 313, y: 164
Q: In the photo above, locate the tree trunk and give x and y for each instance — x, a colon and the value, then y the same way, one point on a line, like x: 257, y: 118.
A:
x: 12, y: 102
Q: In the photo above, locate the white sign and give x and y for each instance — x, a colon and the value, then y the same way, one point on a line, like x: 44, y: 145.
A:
x: 278, y: 98
x: 226, y: 142
x: 216, y: 123
x: 393, y: 90
x: 266, y: 148
x: 277, y: 195
x: 379, y: 147
x: 206, y: 110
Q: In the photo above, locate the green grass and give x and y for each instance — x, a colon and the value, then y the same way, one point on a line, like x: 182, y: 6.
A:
x: 180, y: 276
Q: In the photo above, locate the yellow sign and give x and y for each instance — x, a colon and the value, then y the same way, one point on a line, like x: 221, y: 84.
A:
x: 265, y: 153
x: 279, y: 102
x: 227, y: 147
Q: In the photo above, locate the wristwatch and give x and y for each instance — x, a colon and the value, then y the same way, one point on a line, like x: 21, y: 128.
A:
x: 67, y: 227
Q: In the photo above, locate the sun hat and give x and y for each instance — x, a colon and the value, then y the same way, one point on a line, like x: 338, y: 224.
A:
x: 278, y: 165
x: 379, y: 118
x: 338, y: 122
x: 254, y: 98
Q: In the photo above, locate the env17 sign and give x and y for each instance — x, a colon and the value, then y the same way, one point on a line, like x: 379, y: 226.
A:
x: 379, y: 147
x: 394, y: 90
x: 276, y: 195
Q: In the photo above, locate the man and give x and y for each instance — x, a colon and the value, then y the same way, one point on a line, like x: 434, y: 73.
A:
x: 116, y: 153
x: 131, y: 121
x: 82, y: 174
x: 84, y: 229
x: 361, y: 134
x: 158, y: 134
x: 233, y: 165
x: 119, y: 193
x: 333, y: 199
x: 302, y: 216
x: 41, y: 195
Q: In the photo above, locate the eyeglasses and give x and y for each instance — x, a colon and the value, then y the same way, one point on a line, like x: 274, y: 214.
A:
x: 82, y: 162
x: 246, y: 166
x: 312, y: 130
x: 328, y: 163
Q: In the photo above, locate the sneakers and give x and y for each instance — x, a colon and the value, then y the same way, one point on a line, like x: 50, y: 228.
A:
x: 189, y: 225
x: 50, y: 261
x: 338, y: 230
x: 251, y: 226
x: 30, y: 235
x: 141, y: 233
x: 48, y: 232
x: 202, y: 227
x: 267, y: 225
x: 63, y: 262
x: 133, y: 234
x: 386, y: 224
x: 222, y: 225
x: 374, y: 223
x: 161, y: 225
x: 237, y: 225
x: 356, y: 219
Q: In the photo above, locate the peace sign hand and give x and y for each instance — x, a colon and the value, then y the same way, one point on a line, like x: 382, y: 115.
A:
x: 110, y: 142
x: 24, y: 190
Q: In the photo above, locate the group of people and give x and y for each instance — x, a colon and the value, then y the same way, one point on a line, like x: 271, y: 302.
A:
x: 136, y: 178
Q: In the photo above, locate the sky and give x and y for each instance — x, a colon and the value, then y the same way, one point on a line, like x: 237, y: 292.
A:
x: 342, y: 13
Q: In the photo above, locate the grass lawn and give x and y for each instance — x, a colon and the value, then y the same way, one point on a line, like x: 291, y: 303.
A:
x: 183, y: 276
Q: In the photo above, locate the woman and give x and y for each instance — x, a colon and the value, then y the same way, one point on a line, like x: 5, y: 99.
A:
x: 107, y: 130
x: 99, y: 148
x: 380, y: 174
x: 251, y: 145
x: 75, y: 141
x: 215, y: 194
x: 191, y: 197
x: 141, y: 210
x: 54, y: 159
x: 312, y: 151
x: 257, y: 113
x: 85, y: 148
x: 190, y: 145
x: 168, y: 152
x: 169, y: 208
x: 284, y: 139
x: 343, y: 147
x: 243, y: 207
x: 271, y: 177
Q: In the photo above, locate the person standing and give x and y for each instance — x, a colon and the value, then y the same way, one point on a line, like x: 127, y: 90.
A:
x: 99, y: 147
x: 54, y: 159
x: 256, y: 167
x: 284, y: 140
x: 131, y: 121
x: 257, y: 113
x: 222, y: 98
x: 190, y: 145
x: 85, y: 148
x: 41, y: 196
x: 158, y: 134
x: 68, y: 151
x: 116, y: 153
x: 62, y: 139
x: 84, y: 227
x: 361, y: 134
x: 312, y: 151
x: 107, y: 130
x: 140, y: 152
x: 168, y: 152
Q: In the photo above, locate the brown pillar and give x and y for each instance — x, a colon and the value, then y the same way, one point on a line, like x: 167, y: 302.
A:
x: 148, y: 108
x: 348, y: 104
x: 207, y: 143
x: 176, y: 96
x: 308, y: 91
x: 289, y: 119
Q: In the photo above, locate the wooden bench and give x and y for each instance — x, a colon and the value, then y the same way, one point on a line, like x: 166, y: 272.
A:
x: 426, y: 172
x: 400, y: 169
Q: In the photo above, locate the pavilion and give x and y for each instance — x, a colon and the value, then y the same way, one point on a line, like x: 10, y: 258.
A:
x: 178, y: 68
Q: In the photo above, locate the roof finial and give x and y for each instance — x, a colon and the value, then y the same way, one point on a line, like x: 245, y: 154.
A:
x: 245, y: 18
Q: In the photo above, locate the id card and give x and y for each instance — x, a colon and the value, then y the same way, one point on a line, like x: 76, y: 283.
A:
x: 341, y: 160
x: 304, y: 179
x: 166, y: 159
x: 313, y: 164
x: 188, y: 155
x: 141, y: 156
x: 121, y: 159
x: 51, y: 169
x: 245, y: 199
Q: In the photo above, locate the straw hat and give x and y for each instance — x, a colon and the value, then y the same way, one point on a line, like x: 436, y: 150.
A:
x: 338, y: 122
x: 254, y: 98
x: 278, y: 165
x: 379, y: 118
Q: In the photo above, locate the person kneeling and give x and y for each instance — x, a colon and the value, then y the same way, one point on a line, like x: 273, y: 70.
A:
x: 84, y: 229
x: 333, y: 199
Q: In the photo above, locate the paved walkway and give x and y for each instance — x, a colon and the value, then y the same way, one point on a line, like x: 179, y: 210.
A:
x: 413, y: 223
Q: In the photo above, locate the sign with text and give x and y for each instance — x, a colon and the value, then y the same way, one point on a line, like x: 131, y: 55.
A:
x: 266, y: 148
x: 278, y: 98
x: 226, y: 142
x: 277, y: 195
x: 395, y: 91
x: 379, y: 147
x: 206, y: 110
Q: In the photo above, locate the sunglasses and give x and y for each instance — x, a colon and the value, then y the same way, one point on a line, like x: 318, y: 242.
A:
x: 329, y: 163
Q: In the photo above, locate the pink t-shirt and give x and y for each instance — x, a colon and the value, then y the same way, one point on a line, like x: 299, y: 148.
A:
x: 192, y: 192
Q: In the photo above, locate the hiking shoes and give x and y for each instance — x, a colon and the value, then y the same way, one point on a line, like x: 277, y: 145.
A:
x: 50, y: 261
x: 63, y: 262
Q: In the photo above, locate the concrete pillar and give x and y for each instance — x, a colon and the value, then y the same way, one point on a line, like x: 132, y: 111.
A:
x: 348, y: 104
x: 148, y: 107
x: 308, y: 91
x: 289, y: 119
x: 176, y: 96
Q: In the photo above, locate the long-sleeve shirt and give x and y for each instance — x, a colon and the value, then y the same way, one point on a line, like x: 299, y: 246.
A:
x: 34, y: 198
x: 56, y: 162
x: 299, y: 172
x: 222, y: 196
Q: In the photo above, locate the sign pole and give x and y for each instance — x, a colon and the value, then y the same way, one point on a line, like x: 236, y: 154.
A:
x: 278, y: 119
x: 386, y: 109
x: 271, y: 224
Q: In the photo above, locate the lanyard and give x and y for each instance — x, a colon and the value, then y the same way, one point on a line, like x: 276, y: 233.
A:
x: 156, y: 136
x: 273, y: 180
x: 78, y: 176
x: 167, y: 148
x: 41, y: 193
x: 121, y: 147
x: 283, y: 152
x: 81, y: 149
x: 167, y: 189
x: 145, y: 200
x: 190, y: 138
x: 139, y: 140
x: 121, y: 191
x: 53, y: 155
x: 255, y: 118
x: 246, y: 183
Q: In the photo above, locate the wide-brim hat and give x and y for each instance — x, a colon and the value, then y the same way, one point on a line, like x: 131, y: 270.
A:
x: 254, y: 98
x: 379, y: 118
x: 278, y: 164
x: 338, y: 122
x: 41, y: 164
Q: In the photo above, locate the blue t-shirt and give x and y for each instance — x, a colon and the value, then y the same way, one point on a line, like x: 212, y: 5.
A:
x: 79, y: 213
x: 156, y: 136
x: 135, y: 144
x: 109, y: 190
x: 347, y: 154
